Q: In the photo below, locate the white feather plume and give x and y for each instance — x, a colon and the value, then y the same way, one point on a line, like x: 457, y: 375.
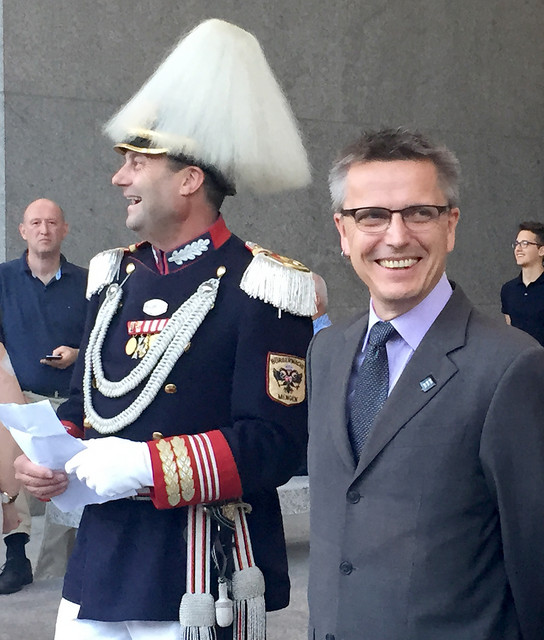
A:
x: 216, y: 99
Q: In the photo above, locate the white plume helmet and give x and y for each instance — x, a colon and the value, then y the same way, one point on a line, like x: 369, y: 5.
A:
x: 215, y: 100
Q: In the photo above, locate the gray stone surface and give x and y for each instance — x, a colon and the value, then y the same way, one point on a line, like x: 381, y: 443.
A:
x: 295, y: 496
x: 468, y: 73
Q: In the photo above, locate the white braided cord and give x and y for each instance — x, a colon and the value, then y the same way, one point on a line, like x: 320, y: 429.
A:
x: 157, y: 363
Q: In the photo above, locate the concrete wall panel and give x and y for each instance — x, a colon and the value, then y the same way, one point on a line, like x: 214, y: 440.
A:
x: 470, y: 74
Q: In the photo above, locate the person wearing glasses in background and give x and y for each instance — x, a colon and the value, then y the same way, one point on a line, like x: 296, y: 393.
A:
x: 426, y: 452
x: 522, y: 298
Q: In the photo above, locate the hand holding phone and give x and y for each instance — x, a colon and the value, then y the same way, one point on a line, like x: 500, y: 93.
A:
x: 53, y: 357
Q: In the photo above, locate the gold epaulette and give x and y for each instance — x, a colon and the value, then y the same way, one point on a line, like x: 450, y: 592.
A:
x: 285, y: 283
x: 104, y: 269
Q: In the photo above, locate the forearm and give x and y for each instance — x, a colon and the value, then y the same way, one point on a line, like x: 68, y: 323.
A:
x: 10, y: 391
x: 8, y: 452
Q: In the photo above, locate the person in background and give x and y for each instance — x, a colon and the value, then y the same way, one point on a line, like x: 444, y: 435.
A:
x: 426, y: 450
x: 320, y: 318
x: 17, y: 564
x: 42, y: 316
x: 522, y: 298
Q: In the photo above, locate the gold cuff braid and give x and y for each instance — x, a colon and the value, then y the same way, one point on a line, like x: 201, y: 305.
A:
x: 185, y: 469
x: 169, y: 469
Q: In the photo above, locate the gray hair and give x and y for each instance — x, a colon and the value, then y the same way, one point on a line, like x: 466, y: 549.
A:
x: 395, y: 144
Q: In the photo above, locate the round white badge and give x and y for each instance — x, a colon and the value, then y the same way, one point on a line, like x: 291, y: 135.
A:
x: 155, y: 307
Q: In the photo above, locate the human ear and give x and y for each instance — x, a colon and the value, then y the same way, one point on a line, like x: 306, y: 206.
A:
x: 192, y: 179
x: 340, y: 223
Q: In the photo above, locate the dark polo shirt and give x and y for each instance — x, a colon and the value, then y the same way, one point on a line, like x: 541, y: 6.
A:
x: 36, y: 318
x: 525, y: 305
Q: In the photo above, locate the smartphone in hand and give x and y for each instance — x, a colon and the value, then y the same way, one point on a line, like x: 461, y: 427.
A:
x: 52, y: 357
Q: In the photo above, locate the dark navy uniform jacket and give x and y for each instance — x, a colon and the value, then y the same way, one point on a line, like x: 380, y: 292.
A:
x: 130, y: 557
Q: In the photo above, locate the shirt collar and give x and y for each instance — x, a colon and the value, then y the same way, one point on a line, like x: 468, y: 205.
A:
x: 192, y: 251
x: 414, y: 324
x: 539, y: 280
x: 27, y: 269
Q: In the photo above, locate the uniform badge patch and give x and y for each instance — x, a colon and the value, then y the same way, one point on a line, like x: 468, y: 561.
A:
x: 286, y: 378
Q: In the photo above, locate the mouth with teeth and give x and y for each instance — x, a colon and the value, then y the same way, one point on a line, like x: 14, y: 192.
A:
x: 133, y: 200
x: 404, y: 263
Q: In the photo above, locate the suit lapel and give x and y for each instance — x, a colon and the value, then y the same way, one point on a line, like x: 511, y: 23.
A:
x: 349, y: 342
x: 431, y: 358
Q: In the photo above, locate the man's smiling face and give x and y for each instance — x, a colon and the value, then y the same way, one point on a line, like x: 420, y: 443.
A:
x: 400, y: 267
x: 152, y: 189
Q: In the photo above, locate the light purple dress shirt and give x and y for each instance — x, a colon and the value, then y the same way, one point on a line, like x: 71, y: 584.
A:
x: 411, y: 327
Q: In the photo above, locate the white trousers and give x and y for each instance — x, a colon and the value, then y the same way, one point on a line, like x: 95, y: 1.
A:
x: 69, y: 627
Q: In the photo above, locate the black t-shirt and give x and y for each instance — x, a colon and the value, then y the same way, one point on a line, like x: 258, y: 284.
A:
x: 525, y: 305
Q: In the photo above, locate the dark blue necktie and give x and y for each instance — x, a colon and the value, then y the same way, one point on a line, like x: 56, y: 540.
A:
x: 371, y: 386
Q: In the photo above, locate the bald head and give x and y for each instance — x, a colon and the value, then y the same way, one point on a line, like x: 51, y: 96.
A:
x: 44, y: 206
x: 321, y: 296
x: 43, y: 228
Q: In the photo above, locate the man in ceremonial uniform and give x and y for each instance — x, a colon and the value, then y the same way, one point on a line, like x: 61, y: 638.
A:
x: 192, y: 388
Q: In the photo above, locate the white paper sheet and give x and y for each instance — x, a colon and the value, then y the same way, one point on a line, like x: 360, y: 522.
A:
x: 40, y: 434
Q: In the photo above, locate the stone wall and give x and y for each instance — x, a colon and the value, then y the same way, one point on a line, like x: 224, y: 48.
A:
x: 470, y: 74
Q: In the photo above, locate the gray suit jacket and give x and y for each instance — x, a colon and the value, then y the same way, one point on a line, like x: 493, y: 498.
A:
x: 438, y: 533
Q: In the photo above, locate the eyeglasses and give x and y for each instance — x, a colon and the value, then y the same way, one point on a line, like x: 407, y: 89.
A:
x: 378, y: 219
x: 524, y: 244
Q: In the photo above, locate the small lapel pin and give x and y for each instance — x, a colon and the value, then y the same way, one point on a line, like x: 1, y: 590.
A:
x: 427, y: 384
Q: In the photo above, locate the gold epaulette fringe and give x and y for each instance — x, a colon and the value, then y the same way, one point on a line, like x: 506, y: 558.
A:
x: 283, y: 282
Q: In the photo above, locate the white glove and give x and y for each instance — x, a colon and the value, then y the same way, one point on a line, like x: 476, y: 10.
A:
x: 111, y: 466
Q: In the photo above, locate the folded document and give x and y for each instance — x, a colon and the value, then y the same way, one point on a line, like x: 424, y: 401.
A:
x: 40, y: 434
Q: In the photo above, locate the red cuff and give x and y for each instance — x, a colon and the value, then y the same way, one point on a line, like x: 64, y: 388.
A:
x: 73, y: 429
x: 193, y: 469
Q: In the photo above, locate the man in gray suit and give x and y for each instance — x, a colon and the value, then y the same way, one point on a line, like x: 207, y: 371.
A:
x: 426, y: 454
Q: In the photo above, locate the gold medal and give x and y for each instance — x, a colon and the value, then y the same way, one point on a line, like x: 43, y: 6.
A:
x: 141, y: 349
x: 131, y: 345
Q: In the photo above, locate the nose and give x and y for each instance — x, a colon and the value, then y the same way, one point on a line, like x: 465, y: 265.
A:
x: 397, y: 234
x: 120, y: 178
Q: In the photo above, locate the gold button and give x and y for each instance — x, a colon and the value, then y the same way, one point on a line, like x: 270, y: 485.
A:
x: 221, y: 271
x: 130, y: 267
x: 86, y: 424
x: 170, y: 388
x: 157, y: 435
x: 187, y: 347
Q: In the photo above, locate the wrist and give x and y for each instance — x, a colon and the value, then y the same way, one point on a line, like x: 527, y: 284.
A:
x: 6, y: 498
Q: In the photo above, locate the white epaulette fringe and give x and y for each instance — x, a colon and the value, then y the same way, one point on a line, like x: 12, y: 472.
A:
x: 103, y: 270
x: 285, y: 283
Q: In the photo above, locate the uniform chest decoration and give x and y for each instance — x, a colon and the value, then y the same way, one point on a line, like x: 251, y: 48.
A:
x: 143, y: 334
x: 155, y: 307
x: 156, y: 363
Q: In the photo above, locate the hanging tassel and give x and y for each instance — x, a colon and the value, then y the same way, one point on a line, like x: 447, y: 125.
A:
x: 197, y: 616
x: 223, y: 606
x: 247, y: 585
x: 197, y: 608
x: 249, y: 609
x: 285, y: 283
